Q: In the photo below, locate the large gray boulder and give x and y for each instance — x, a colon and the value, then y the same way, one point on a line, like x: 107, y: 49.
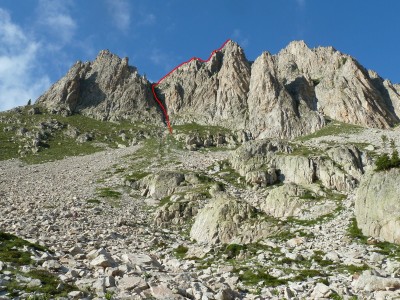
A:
x: 227, y: 220
x: 377, y: 205
x: 161, y: 184
x: 291, y: 200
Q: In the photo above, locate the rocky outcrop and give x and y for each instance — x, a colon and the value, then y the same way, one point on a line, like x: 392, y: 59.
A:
x: 227, y: 220
x: 377, y: 205
x: 291, y: 200
x: 106, y: 89
x: 341, y: 170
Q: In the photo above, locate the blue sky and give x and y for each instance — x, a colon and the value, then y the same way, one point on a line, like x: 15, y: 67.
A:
x: 41, y: 39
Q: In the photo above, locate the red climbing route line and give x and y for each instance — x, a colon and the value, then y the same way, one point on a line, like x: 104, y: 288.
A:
x: 173, y: 70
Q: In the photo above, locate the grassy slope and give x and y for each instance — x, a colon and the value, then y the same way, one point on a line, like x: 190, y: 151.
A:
x: 58, y: 145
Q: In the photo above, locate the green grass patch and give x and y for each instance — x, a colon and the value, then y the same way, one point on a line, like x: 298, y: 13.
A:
x: 355, y: 233
x: 57, y: 145
x: 201, y: 129
x: 301, y: 150
x: 233, y: 250
x: 258, y: 276
x: 93, y: 201
x: 333, y: 127
x: 10, y: 249
x: 47, y: 289
x: 108, y: 193
x: 230, y: 175
x: 165, y: 201
x: 180, y: 251
x: 59, y: 149
x: 135, y: 176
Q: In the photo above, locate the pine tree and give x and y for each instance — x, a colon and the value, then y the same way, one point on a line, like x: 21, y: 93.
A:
x: 395, y: 160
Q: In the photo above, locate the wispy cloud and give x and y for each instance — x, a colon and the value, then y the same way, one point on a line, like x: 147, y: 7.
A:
x: 147, y: 19
x: 19, y: 79
x: 240, y: 38
x: 120, y: 11
x: 55, y: 18
x: 157, y: 57
x: 162, y: 59
x: 301, y: 3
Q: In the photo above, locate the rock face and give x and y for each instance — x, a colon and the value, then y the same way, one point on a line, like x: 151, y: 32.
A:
x: 343, y: 89
x: 214, y: 92
x: 277, y: 109
x: 284, y: 95
x: 377, y: 205
x: 106, y: 89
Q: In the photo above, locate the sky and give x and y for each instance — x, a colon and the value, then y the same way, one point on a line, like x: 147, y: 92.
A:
x: 41, y: 39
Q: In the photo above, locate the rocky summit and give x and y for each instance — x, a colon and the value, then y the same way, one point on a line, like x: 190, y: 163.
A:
x: 279, y: 181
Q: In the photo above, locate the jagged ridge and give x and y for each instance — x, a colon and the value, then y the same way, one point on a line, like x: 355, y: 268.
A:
x: 283, y: 95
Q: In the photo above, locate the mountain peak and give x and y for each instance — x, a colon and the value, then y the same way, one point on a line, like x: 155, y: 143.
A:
x: 274, y: 96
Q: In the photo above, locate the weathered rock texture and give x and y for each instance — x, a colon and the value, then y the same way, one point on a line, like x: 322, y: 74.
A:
x: 377, y: 205
x: 291, y: 200
x: 341, y: 170
x: 226, y: 220
x: 283, y: 95
x: 106, y: 89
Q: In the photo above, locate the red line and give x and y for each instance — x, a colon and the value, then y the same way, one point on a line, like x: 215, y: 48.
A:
x: 173, y: 70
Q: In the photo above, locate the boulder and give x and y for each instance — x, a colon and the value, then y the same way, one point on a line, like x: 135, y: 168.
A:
x: 377, y: 205
x: 129, y: 283
x: 371, y: 283
x: 140, y: 260
x: 162, y: 184
x: 103, y: 261
x: 228, y: 220
x: 291, y: 200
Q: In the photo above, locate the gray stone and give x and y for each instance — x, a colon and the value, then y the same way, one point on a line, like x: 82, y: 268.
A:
x: 142, y: 260
x: 321, y: 291
x: 377, y: 205
x: 75, y: 250
x: 103, y: 261
x: 371, y: 283
x: 34, y: 283
x: 132, y: 282
x: 75, y: 294
x: 227, y: 220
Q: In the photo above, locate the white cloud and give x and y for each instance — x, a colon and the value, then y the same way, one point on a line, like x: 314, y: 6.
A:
x: 55, y: 18
x: 239, y: 38
x: 19, y: 78
x: 120, y: 13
